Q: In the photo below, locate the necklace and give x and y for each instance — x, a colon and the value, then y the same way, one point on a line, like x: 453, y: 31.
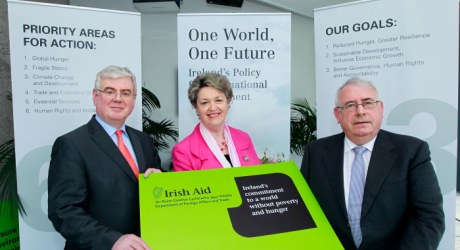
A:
x: 223, y: 144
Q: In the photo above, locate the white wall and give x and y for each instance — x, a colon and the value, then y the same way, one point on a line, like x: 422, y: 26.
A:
x: 159, y: 52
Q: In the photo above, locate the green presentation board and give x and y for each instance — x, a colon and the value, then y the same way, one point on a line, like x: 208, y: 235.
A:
x: 259, y: 207
x: 9, y: 228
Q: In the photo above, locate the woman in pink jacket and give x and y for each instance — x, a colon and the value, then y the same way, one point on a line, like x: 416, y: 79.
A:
x: 213, y: 144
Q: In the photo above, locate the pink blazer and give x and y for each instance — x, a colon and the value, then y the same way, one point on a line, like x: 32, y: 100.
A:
x: 192, y: 153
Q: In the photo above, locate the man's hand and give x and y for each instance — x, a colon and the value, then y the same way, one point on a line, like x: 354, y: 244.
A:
x: 130, y: 241
x: 151, y: 170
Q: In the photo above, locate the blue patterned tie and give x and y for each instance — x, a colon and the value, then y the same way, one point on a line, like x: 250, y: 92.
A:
x: 355, y: 196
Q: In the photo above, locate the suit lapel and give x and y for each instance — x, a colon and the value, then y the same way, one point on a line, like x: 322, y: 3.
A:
x: 198, y: 146
x: 382, y: 160
x: 103, y: 140
x: 241, y: 145
x: 136, y: 143
x: 333, y: 162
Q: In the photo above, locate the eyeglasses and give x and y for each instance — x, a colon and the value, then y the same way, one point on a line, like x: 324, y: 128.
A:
x: 111, y: 93
x: 353, y: 106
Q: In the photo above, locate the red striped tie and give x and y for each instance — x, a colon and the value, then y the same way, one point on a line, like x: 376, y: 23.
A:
x: 124, y: 150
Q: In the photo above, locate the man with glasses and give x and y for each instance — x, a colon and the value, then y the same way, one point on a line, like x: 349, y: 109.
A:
x: 93, y: 194
x: 378, y: 189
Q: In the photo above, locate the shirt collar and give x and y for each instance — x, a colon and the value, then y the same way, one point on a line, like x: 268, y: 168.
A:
x: 349, y: 145
x: 109, y: 129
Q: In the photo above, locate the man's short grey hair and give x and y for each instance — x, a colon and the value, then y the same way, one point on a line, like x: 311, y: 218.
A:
x: 114, y: 72
x: 354, y: 81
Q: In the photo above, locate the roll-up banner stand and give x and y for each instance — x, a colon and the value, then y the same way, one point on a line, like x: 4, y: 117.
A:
x: 409, y: 50
x: 56, y: 51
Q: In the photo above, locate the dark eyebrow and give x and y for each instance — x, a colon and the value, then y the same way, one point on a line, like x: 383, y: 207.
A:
x: 108, y: 88
x: 368, y: 99
x: 349, y: 102
x: 121, y: 90
x: 365, y: 99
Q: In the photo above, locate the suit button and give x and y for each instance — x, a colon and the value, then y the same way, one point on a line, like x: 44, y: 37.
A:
x: 348, y: 225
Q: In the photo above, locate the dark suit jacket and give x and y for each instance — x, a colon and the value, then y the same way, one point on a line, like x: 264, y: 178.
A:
x: 402, y: 203
x: 93, y: 195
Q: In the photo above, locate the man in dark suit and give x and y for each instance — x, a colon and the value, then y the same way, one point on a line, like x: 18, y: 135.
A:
x: 93, y: 194
x: 400, y: 205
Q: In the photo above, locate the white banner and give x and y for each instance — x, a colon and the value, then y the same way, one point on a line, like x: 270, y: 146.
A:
x: 56, y: 51
x: 254, y: 52
x: 409, y: 49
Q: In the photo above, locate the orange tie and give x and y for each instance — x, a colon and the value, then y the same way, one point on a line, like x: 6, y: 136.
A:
x: 124, y: 150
